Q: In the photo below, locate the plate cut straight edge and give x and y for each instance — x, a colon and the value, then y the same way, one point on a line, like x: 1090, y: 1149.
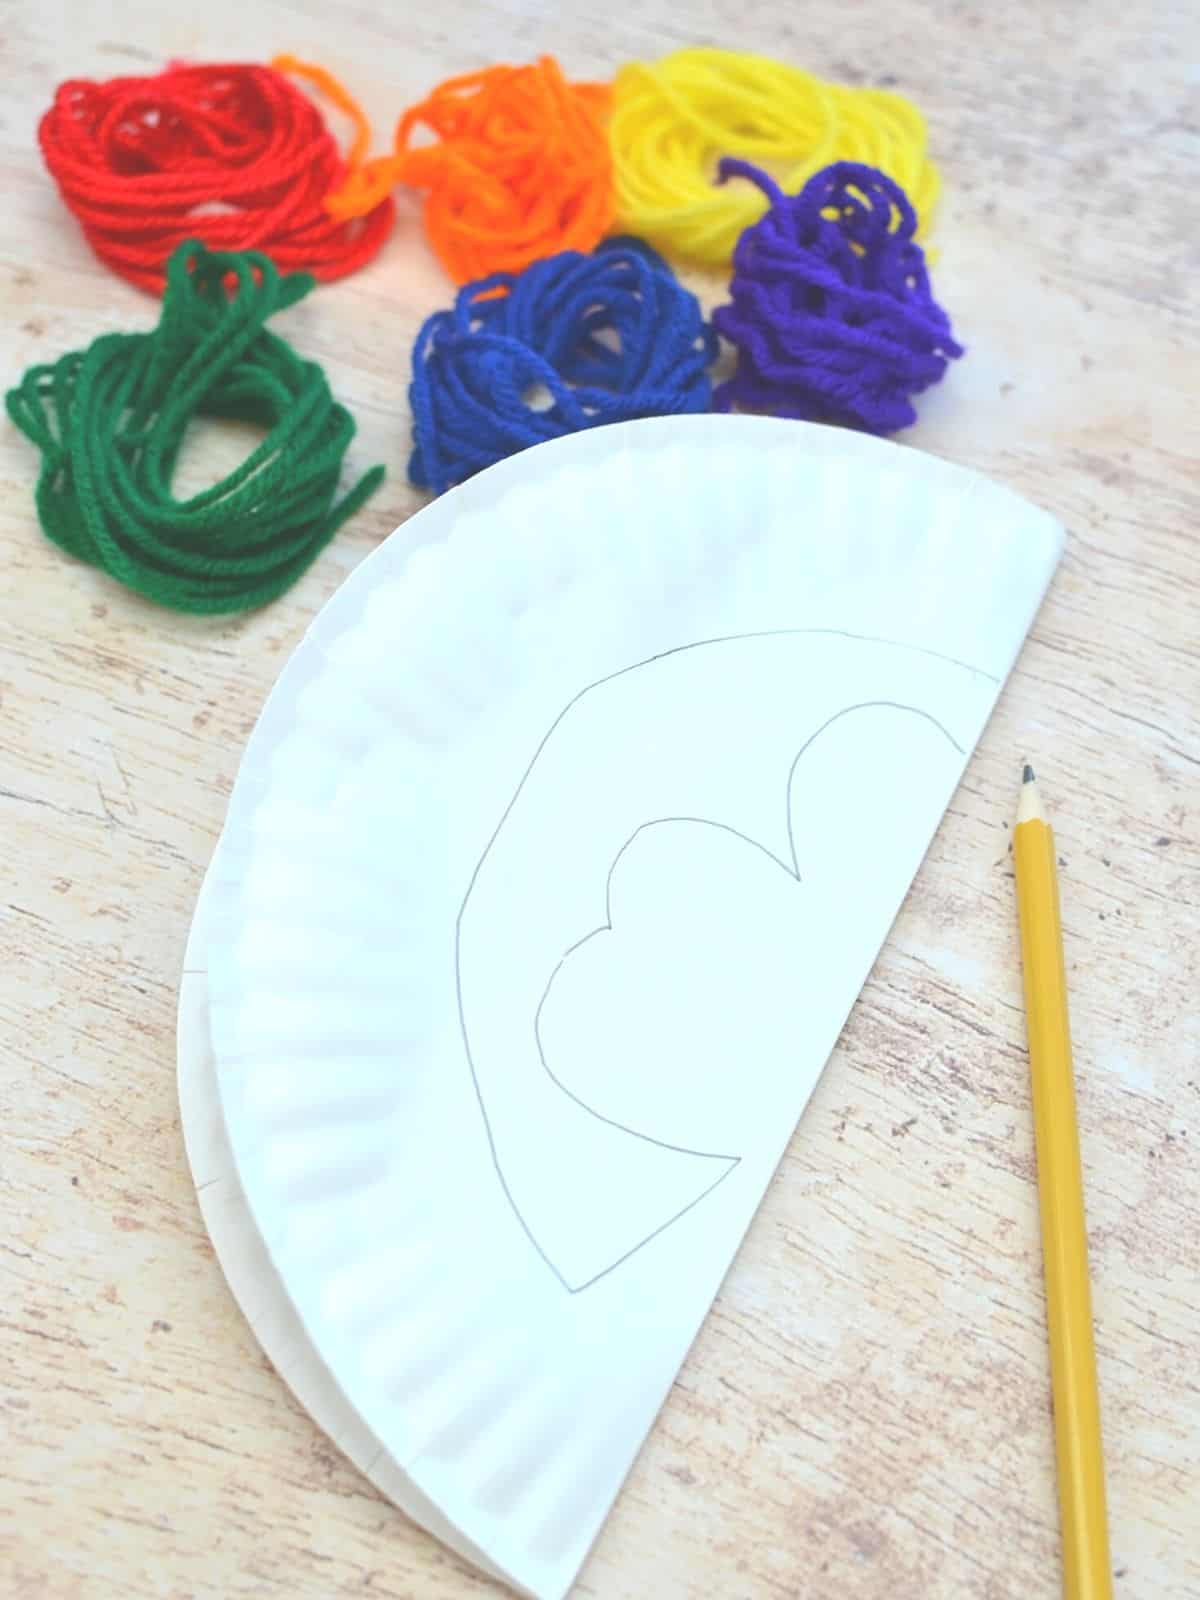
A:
x: 491, y: 1030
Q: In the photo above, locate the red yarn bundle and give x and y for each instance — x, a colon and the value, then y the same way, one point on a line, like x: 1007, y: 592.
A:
x: 236, y: 156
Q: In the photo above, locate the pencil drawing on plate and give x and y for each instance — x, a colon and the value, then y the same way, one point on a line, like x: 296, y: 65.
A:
x: 654, y: 932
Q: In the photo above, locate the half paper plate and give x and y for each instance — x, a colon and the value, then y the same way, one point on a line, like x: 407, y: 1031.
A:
x: 555, y: 864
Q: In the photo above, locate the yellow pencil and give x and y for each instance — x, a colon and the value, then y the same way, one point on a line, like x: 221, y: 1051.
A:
x: 1086, y: 1562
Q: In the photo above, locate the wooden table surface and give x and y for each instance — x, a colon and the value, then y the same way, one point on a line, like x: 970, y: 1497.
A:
x: 866, y: 1412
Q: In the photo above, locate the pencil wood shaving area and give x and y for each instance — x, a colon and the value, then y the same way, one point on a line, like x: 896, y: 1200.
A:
x: 866, y: 1409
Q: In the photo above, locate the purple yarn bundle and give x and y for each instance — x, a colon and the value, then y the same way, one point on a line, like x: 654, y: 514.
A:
x: 833, y: 316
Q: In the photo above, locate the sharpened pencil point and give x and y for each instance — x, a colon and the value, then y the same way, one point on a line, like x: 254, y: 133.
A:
x: 1027, y: 775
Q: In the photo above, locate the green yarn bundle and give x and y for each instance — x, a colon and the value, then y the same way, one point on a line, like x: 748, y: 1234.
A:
x: 110, y: 422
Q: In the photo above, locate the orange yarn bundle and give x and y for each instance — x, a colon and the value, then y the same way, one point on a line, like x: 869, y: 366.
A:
x: 519, y: 168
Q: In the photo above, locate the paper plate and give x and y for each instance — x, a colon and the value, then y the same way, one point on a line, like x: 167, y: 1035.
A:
x: 554, y: 865
x: 248, y: 1268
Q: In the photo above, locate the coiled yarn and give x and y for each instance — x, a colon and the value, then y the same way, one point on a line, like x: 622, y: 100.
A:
x: 832, y: 311
x: 673, y: 120
x: 235, y: 156
x: 519, y: 168
x: 572, y: 342
x: 110, y: 422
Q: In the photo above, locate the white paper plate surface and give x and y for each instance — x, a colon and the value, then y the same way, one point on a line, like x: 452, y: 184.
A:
x: 555, y: 863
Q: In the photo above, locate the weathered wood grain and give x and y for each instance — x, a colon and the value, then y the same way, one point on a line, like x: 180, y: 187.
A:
x: 866, y: 1411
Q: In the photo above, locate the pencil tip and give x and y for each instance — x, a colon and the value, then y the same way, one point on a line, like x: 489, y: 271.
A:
x: 1027, y: 775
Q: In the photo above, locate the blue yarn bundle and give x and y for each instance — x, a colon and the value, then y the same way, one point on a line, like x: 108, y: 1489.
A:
x: 832, y: 311
x: 573, y: 341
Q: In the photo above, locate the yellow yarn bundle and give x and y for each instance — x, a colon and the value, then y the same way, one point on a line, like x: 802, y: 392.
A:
x: 673, y: 120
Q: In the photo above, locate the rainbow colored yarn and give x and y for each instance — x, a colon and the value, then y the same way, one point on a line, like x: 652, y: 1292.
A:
x: 832, y: 312
x: 572, y: 342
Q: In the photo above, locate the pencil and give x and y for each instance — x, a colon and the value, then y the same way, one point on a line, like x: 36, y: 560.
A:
x: 1086, y: 1561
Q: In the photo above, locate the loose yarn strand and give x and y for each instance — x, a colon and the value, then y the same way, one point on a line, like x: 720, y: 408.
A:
x: 110, y: 423
x: 334, y: 90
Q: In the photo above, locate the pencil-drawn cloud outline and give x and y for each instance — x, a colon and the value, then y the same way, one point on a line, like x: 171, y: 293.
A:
x: 712, y: 1167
